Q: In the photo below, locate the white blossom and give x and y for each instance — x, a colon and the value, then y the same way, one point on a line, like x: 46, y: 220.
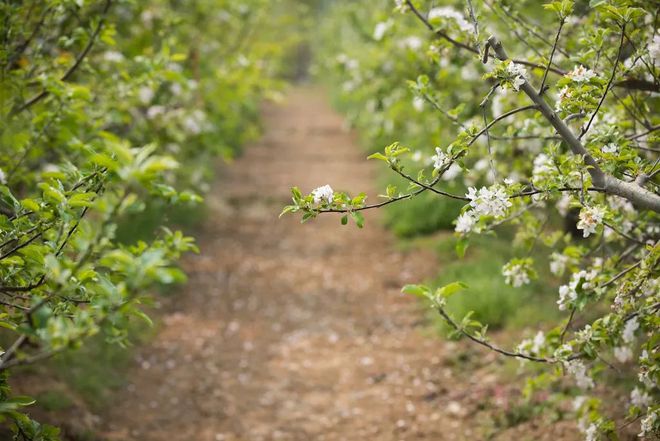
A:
x: 418, y: 103
x: 558, y: 263
x: 538, y: 342
x: 591, y: 434
x: 564, y: 95
x: 623, y: 354
x: 498, y: 104
x: 155, y: 111
x: 581, y: 74
x: 147, y: 17
x: 413, y: 43
x: 113, y: 56
x: 650, y: 287
x: 648, y: 422
x: 590, y: 218
x: 176, y: 89
x: 400, y: 6
x: 452, y: 14
x: 465, y: 222
x: 482, y: 164
x: 491, y: 201
x: 543, y: 165
x: 416, y: 156
x: 620, y: 204
x: 3, y: 177
x: 585, y: 334
x: 516, y: 275
x: 380, y: 29
x: 579, y: 372
x: 610, y: 148
x: 175, y: 67
x: 440, y: 158
x: 563, y: 204
x: 578, y: 402
x: 568, y: 293
x: 452, y: 172
x: 654, y: 48
x: 517, y: 72
x: 629, y: 329
x: 323, y: 194
x: 145, y: 94
x: 566, y: 296
x: 194, y: 123
x: 563, y: 351
x: 639, y: 398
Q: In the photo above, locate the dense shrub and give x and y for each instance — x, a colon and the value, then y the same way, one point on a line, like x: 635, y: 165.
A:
x: 107, y: 108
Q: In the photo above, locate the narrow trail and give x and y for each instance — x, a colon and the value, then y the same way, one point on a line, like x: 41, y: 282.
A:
x: 294, y: 332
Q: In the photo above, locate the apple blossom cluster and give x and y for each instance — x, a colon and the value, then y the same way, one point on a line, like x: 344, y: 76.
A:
x: 579, y: 372
x: 590, y: 432
x: 517, y: 273
x: 534, y: 345
x: 516, y: 74
x: 452, y: 14
x: 648, y: 423
x: 440, y: 159
x: 485, y: 202
x: 381, y: 29
x: 581, y: 74
x: 401, y: 6
x: 623, y: 354
x: 323, y: 195
x: 580, y: 281
x: 558, y: 262
x: 590, y: 219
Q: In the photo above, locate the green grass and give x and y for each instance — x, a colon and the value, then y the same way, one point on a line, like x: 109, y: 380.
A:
x: 95, y: 371
x: 492, y: 301
x: 54, y: 400
x: 423, y: 214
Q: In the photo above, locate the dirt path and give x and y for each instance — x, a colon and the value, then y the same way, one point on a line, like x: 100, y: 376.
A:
x: 289, y: 331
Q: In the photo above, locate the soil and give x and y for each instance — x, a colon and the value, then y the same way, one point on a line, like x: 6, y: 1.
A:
x: 299, y: 332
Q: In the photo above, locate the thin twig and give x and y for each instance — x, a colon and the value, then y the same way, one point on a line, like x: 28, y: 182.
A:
x: 552, y: 54
x: 609, y: 83
x: 92, y: 39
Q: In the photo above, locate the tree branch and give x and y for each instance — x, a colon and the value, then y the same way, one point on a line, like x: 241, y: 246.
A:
x: 612, y: 185
x: 92, y: 39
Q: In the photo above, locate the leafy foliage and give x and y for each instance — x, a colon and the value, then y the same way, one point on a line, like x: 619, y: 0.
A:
x: 107, y: 106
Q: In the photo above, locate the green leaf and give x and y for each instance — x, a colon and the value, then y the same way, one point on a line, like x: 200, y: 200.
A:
x: 52, y: 193
x: 358, y: 218
x: 103, y: 160
x: 289, y: 209
x: 82, y: 199
x: 30, y: 204
x: 462, y: 245
x: 416, y: 290
x: 451, y: 289
x: 378, y: 156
